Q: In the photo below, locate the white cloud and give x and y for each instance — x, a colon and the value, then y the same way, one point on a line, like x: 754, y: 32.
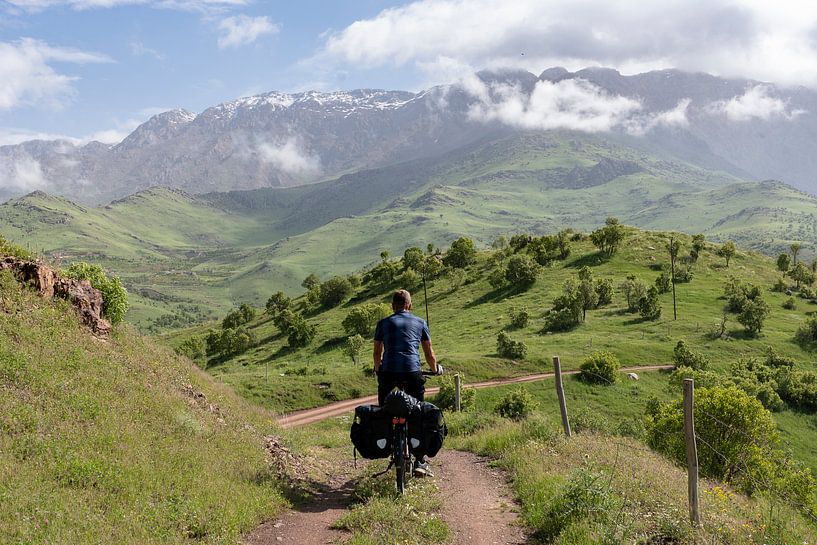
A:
x: 22, y: 173
x: 12, y: 136
x: 27, y: 77
x: 756, y: 103
x: 243, y: 30
x: 114, y: 135
x: 140, y: 49
x: 677, y: 117
x: 202, y: 6
x: 290, y: 157
x: 754, y: 38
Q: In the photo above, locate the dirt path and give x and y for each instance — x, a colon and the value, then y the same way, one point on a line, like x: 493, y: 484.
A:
x: 476, y: 502
x: 309, y: 416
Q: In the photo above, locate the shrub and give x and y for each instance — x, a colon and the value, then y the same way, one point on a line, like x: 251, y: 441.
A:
x: 362, y: 319
x: 519, y: 317
x: 682, y: 356
x: 683, y: 275
x: 521, y: 271
x: 310, y: 282
x: 497, y: 279
x: 194, y: 348
x: 516, y: 404
x: 648, y: 306
x: 753, y: 315
x: 300, y: 333
x: 600, y: 368
x: 229, y: 342
x: 238, y: 317
x: 354, y: 346
x: 446, y: 398
x: 799, y: 389
x: 563, y: 319
x: 114, y: 296
x: 608, y: 238
x: 633, y: 290
x: 587, y: 495
x: 7, y: 248
x: 790, y: 304
x: 663, y: 283
x: 727, y: 251
x: 461, y: 254
x: 807, y: 332
x: 509, y: 348
x: 604, y: 292
x: 334, y: 291
x: 413, y: 258
x: 277, y: 302
x: 409, y: 280
x: 807, y: 293
x: 780, y: 286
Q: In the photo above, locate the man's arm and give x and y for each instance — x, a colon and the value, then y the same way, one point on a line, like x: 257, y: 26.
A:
x: 377, y: 355
x: 431, y: 358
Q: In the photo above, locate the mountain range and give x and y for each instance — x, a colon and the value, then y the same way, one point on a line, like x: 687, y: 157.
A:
x: 742, y: 127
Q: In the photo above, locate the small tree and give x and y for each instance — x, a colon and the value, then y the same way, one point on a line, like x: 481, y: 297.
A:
x: 500, y: 243
x: 413, y: 258
x: 795, y: 249
x: 698, y: 245
x: 301, y: 333
x: 517, y: 404
x: 633, y: 290
x: 194, y: 348
x: 362, y: 319
x: 334, y: 291
x: 727, y: 251
x: 649, y: 306
x: 586, y: 291
x: 509, y: 348
x: 604, y: 292
x: 663, y: 283
x: 783, y: 263
x: 409, y: 280
x: 753, y: 315
x: 519, y: 317
x: 682, y: 356
x: 521, y: 271
x: 354, y: 346
x: 277, y: 302
x: 311, y: 281
x: 608, y: 238
x: 461, y: 254
x: 600, y: 368
x: 283, y: 320
x: 801, y: 275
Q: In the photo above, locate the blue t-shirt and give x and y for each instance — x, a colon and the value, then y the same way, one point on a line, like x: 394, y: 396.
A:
x: 401, y: 334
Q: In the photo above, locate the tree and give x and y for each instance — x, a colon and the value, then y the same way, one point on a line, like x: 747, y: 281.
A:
x: 604, y: 292
x: 608, y: 238
x: 238, y: 317
x: 431, y: 267
x: 727, y: 251
x: 567, y: 309
x: 586, y: 292
x: 384, y: 255
x: 362, y: 319
x: 795, y: 249
x: 753, y: 315
x: 413, y: 258
x: 301, y: 332
x: 663, y: 283
x: 408, y: 280
x: 649, y: 306
x: 194, y: 348
x: 801, y: 275
x: 334, y: 291
x: 500, y: 243
x: 114, y: 295
x: 311, y: 281
x: 521, y: 271
x: 698, y: 245
x: 283, y: 320
x: 461, y: 254
x: 783, y: 263
x: 509, y: 348
x: 277, y: 302
x: 633, y: 290
x: 354, y: 346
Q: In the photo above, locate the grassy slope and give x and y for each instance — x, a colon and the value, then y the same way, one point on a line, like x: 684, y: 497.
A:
x: 103, y: 441
x: 175, y: 251
x: 466, y: 320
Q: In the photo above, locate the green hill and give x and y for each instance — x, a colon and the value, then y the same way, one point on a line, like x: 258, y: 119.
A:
x: 188, y: 258
x: 119, y: 441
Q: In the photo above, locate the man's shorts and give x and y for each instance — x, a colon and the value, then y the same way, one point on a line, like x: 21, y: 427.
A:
x: 411, y: 383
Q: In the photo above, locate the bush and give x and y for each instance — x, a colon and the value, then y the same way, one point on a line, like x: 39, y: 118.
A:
x: 682, y: 356
x: 780, y: 286
x: 807, y: 293
x: 519, y: 317
x: 663, y: 283
x: 608, y: 238
x: 563, y: 319
x: 790, y: 304
x: 600, y: 368
x: 229, y: 342
x: 497, y: 278
x: 604, y: 292
x: 648, y: 306
x: 633, y: 290
x: 753, y: 315
x: 353, y: 347
x: 509, y: 348
x: 335, y: 291
x: 521, y: 271
x: 799, y: 389
x: 516, y: 404
x: 413, y: 258
x: 739, y: 442
x: 409, y: 280
x: 446, y: 398
x: 461, y: 254
x: 278, y: 302
x: 114, y: 296
x: 311, y: 282
x: 807, y: 332
x: 300, y: 333
x: 194, y: 348
x: 7, y: 248
x: 683, y: 275
x: 238, y: 317
x: 362, y: 319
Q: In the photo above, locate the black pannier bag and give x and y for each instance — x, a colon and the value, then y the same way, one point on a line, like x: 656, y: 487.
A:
x: 427, y: 429
x: 399, y: 403
x: 371, y: 432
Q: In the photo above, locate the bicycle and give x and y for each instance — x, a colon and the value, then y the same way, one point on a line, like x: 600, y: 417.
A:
x: 401, y: 457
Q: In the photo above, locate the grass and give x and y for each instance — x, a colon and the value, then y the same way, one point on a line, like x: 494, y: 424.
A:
x: 187, y: 259
x: 119, y: 441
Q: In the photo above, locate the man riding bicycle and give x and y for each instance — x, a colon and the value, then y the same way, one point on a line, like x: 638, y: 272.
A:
x: 397, y: 358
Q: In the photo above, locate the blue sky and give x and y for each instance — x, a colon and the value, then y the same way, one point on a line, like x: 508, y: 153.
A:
x: 96, y: 68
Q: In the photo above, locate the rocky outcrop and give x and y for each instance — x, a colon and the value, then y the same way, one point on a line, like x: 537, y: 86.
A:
x: 48, y: 283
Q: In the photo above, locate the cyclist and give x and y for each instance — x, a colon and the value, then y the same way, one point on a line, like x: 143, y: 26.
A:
x: 397, y: 358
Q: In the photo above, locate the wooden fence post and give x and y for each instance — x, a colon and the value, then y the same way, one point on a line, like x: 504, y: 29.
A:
x: 458, y: 391
x: 692, y: 450
x: 560, y: 392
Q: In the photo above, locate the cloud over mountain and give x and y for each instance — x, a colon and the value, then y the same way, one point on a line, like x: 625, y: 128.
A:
x: 757, y: 102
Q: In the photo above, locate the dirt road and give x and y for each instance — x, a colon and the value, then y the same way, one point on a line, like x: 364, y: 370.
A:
x: 309, y: 416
